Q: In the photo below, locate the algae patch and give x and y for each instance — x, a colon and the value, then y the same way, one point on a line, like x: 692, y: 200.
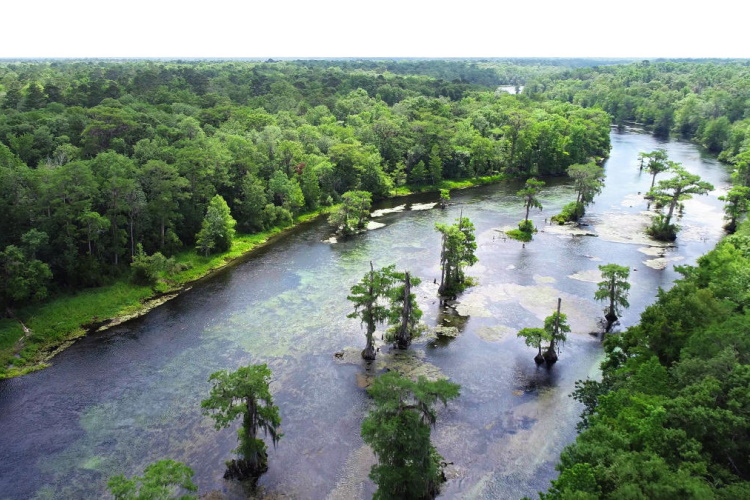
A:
x: 566, y: 230
x: 544, y: 280
x: 626, y: 228
x: 653, y: 251
x: 447, y: 331
x: 590, y: 276
x: 409, y: 363
x: 495, y: 333
x: 661, y: 262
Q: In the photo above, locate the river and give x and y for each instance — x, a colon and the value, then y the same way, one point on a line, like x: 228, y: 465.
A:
x: 121, y: 399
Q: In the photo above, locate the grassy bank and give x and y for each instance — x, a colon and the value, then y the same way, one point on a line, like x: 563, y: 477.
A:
x: 55, y: 323
x: 449, y: 184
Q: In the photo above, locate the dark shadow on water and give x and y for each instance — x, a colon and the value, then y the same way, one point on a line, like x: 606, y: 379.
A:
x: 448, y: 317
x: 530, y: 378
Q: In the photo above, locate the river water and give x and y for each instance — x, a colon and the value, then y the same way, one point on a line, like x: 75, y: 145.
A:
x: 121, y: 399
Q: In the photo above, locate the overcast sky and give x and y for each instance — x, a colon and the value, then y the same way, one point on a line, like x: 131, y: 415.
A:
x: 376, y: 28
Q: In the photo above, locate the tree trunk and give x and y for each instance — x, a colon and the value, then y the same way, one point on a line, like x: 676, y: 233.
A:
x: 551, y: 355
x: 443, y: 265
x: 539, y: 358
x: 403, y: 336
x: 368, y: 354
x: 611, y: 316
x: 243, y: 470
x: 251, y: 430
x: 673, y: 204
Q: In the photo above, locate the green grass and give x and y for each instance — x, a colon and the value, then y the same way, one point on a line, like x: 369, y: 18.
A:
x: 449, y: 184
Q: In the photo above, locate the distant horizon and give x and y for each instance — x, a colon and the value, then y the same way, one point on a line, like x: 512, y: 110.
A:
x: 369, y: 58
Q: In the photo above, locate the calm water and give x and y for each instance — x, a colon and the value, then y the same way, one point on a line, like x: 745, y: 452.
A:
x: 119, y: 400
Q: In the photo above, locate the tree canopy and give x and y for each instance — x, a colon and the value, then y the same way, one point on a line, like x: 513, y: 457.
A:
x: 668, y: 417
x: 457, y: 252
x: 245, y: 393
x: 102, y: 155
x: 398, y: 430
x: 613, y: 288
x: 669, y: 193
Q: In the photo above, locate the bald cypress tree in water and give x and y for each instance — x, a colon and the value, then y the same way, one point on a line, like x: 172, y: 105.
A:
x: 556, y: 327
x: 245, y: 393
x: 457, y: 252
x: 369, y: 307
x: 398, y: 430
x: 404, y: 312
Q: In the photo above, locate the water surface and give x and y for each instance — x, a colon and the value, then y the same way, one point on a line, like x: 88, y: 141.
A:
x: 121, y: 399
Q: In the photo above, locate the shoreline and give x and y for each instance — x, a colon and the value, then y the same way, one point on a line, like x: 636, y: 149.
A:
x: 164, y: 292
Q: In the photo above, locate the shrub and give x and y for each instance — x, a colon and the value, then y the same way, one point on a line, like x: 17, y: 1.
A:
x: 660, y: 229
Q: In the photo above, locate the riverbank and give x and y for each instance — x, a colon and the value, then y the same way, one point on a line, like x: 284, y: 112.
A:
x: 41, y: 331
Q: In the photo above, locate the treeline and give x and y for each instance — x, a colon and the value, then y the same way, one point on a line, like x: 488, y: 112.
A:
x: 98, y: 158
x: 671, y: 416
x: 702, y: 102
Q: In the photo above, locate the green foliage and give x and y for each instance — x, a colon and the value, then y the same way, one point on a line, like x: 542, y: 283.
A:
x: 457, y: 252
x: 588, y: 181
x: 244, y: 393
x: 445, y: 197
x: 524, y: 233
x: 352, y: 215
x: 571, y: 212
x: 368, y: 297
x: 554, y: 333
x: 556, y: 326
x: 217, y: 229
x: 661, y: 229
x: 100, y: 165
x: 614, y: 288
x: 404, y: 311
x: 669, y: 193
x: 162, y: 480
x: 530, y: 194
x: 535, y: 337
x: 128, y: 159
x: 22, y: 278
x: 669, y: 417
x: 146, y: 269
x: 703, y: 101
x: 737, y: 200
x: 398, y: 430
x: 656, y: 164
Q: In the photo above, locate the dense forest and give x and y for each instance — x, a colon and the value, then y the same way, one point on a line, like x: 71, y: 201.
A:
x: 705, y: 103
x: 669, y: 419
x: 104, y: 165
x: 98, y: 158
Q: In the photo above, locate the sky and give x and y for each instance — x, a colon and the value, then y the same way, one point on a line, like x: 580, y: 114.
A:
x: 379, y: 28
